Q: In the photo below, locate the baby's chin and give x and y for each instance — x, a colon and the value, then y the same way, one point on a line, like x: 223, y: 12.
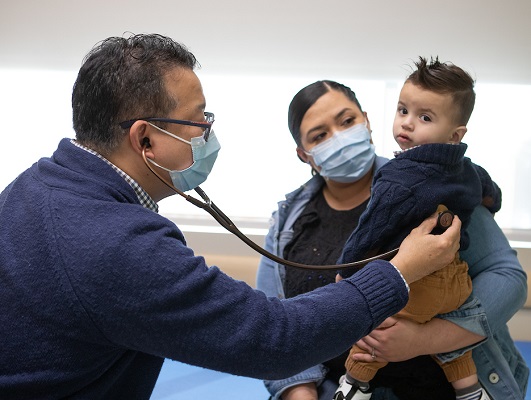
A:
x: 407, y: 145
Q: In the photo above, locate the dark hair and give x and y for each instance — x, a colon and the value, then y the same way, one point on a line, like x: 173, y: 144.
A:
x: 446, y: 78
x: 121, y: 79
x: 306, y: 98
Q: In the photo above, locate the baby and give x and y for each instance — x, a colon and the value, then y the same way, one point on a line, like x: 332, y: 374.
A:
x: 429, y: 172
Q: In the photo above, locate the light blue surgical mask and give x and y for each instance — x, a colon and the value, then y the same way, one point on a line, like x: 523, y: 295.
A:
x: 204, y: 154
x: 347, y: 156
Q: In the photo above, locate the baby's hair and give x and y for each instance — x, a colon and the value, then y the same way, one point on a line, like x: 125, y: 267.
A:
x: 446, y: 78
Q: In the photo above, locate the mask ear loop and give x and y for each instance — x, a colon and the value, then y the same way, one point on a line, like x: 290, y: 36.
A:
x: 226, y: 223
x: 191, y: 199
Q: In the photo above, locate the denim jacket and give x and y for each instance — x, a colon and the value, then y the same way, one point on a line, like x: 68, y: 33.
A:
x: 499, y: 291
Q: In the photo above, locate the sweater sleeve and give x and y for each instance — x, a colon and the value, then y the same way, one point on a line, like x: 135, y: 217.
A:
x: 492, y: 196
x: 169, y: 303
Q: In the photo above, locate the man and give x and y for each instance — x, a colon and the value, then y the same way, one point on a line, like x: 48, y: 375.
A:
x: 97, y: 288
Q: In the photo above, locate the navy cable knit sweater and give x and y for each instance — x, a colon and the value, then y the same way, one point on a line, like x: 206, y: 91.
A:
x: 409, y: 188
x: 97, y: 290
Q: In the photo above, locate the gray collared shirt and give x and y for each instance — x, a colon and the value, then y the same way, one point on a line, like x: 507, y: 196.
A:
x: 144, y: 198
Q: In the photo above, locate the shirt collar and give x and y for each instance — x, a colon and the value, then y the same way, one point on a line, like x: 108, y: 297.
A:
x: 396, y: 153
x: 143, y: 197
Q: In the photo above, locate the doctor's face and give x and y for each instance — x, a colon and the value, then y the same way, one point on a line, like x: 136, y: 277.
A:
x: 184, y: 87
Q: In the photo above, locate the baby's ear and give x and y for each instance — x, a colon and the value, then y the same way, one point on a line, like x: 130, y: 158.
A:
x: 457, y: 135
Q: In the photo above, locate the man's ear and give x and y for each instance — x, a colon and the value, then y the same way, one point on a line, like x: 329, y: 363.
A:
x: 139, y: 137
x: 458, y: 134
x: 146, y: 143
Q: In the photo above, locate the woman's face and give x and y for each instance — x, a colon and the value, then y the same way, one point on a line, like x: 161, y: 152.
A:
x: 332, y: 112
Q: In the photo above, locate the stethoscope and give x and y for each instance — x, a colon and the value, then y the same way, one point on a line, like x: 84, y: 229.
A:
x: 206, y: 204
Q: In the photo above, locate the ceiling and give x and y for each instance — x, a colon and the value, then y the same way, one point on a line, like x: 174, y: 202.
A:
x: 372, y: 39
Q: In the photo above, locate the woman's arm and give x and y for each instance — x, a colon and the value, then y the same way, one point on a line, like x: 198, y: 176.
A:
x: 499, y: 290
x: 303, y: 385
x: 399, y: 339
x: 267, y: 277
x: 498, y: 279
x: 304, y: 391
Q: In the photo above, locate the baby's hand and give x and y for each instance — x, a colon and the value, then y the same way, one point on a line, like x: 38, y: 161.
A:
x: 338, y: 278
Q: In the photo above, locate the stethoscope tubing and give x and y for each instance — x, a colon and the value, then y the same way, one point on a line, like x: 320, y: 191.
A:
x: 207, y: 205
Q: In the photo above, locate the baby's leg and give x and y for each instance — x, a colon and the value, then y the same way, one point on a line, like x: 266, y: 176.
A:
x: 354, y: 385
x: 466, y: 390
x: 461, y: 373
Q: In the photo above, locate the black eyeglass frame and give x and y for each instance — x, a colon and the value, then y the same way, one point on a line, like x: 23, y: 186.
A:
x: 207, y: 124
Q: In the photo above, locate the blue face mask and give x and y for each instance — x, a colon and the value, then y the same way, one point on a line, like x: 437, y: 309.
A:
x: 347, y: 156
x: 204, y: 155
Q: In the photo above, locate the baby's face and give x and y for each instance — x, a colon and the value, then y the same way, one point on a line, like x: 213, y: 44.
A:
x: 424, y: 117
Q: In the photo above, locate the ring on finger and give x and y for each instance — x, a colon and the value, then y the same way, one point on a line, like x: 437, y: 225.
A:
x: 372, y: 354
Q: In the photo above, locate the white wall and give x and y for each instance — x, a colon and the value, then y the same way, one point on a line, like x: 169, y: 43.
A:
x: 373, y: 38
x: 256, y: 56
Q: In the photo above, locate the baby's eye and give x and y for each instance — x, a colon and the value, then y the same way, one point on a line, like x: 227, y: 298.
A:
x: 402, y: 110
x: 425, y: 118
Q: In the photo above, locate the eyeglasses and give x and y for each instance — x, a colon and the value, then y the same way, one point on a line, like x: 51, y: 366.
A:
x: 206, y: 124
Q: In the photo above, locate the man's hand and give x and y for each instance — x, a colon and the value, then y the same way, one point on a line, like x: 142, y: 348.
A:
x: 422, y: 253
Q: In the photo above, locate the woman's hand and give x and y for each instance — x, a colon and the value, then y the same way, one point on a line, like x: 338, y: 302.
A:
x: 422, y: 253
x: 396, y: 339
x: 304, y: 391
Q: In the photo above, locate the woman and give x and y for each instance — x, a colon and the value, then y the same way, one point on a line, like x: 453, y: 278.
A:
x: 312, y: 225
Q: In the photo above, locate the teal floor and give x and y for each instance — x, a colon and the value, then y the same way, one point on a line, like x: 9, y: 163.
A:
x: 179, y: 381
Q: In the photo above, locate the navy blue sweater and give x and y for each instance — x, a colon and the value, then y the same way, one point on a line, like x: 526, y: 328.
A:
x: 97, y: 290
x: 409, y: 188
